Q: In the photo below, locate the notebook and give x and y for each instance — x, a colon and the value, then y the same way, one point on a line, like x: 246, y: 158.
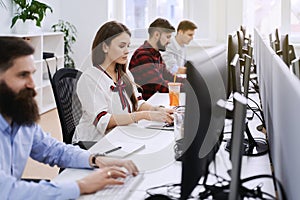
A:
x: 119, y: 149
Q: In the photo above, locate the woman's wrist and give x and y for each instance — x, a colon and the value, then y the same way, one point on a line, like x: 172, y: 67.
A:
x: 134, y: 117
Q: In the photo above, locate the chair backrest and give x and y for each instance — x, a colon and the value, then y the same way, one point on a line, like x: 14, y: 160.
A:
x: 64, y: 84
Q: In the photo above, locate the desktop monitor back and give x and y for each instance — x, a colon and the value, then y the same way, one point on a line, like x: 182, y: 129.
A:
x: 235, y: 74
x: 232, y: 49
x: 241, y: 40
x: 238, y: 128
x: 295, y: 67
x: 277, y: 41
x: 246, y: 76
x: 285, y: 49
x: 204, y: 120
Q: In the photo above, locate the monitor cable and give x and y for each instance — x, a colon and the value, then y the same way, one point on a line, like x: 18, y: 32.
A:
x: 252, y: 146
x: 220, y: 190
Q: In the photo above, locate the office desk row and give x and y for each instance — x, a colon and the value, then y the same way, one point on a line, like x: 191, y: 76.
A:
x: 157, y: 160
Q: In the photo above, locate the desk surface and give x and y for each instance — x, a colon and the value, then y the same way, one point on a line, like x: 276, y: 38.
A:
x: 157, y: 161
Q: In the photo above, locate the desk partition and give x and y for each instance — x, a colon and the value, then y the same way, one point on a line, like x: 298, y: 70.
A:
x: 280, y: 97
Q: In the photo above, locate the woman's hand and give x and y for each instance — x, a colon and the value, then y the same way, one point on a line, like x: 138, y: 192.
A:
x: 161, y: 116
x: 168, y: 110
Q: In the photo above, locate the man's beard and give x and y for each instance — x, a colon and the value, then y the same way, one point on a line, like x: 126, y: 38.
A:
x: 160, y: 46
x: 21, y: 107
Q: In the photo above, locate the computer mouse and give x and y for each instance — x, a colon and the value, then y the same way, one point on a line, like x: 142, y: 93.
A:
x: 169, y: 124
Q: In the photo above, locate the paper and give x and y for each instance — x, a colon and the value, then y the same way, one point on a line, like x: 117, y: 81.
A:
x: 127, y: 148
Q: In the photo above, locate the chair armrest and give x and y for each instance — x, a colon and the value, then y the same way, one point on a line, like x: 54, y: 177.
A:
x: 85, y: 144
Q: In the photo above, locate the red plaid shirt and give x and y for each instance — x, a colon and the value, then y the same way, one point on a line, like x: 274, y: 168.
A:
x: 149, y: 70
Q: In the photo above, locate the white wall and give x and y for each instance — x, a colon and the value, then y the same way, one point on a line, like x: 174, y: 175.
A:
x: 87, y: 16
x: 224, y: 17
x: 5, y: 16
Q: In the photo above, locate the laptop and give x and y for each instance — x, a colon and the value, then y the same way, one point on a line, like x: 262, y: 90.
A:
x: 160, y: 126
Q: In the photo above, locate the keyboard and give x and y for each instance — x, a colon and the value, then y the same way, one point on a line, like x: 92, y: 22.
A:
x: 119, y: 192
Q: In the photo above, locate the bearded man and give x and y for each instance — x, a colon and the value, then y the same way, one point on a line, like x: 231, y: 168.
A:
x: 146, y: 64
x: 21, y: 137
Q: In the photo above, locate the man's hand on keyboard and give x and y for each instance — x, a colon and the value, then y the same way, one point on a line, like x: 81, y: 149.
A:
x: 101, y: 178
x: 102, y: 161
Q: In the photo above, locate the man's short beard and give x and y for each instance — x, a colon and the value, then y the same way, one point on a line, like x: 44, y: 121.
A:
x: 21, y: 107
x: 160, y: 46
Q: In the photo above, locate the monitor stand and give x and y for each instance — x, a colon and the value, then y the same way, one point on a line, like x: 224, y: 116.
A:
x: 252, y: 146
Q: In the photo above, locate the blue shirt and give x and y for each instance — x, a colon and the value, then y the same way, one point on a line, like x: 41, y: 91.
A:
x: 17, y: 144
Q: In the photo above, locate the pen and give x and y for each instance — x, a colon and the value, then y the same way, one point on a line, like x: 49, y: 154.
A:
x: 111, y: 150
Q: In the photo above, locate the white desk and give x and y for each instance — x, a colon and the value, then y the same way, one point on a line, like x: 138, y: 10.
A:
x: 157, y: 162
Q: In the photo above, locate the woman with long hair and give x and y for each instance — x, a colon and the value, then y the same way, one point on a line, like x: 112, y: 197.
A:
x: 107, y: 91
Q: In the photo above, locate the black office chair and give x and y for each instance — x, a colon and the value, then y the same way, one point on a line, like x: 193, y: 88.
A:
x: 69, y: 108
x: 68, y: 105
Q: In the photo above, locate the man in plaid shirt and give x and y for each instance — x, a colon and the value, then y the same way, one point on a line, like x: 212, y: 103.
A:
x: 147, y: 65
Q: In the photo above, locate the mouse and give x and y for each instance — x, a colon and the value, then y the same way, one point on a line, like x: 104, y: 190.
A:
x: 169, y: 124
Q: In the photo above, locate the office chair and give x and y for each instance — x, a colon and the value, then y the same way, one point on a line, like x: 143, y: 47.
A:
x: 68, y: 105
x: 69, y: 108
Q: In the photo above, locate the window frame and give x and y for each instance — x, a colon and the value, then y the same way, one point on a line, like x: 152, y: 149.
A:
x: 213, y: 20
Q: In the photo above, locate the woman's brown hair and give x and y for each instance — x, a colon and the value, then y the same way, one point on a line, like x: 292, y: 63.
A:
x: 106, y: 34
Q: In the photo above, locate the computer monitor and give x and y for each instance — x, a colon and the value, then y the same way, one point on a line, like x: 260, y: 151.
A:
x: 235, y: 74
x: 246, y: 75
x: 295, y: 67
x: 238, y: 128
x: 232, y: 49
x: 285, y: 49
x: 204, y: 119
x: 277, y: 41
x: 252, y: 146
x: 241, y: 42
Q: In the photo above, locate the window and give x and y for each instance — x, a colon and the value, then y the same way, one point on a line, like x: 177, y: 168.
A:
x: 138, y: 14
x: 295, y: 16
x: 265, y: 15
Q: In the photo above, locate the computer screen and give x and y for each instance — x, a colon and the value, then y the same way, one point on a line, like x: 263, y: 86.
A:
x: 246, y: 76
x: 232, y: 49
x: 253, y: 146
x: 277, y: 40
x: 240, y: 37
x: 285, y: 49
x: 204, y: 119
x: 235, y: 74
x: 238, y: 127
x: 295, y: 67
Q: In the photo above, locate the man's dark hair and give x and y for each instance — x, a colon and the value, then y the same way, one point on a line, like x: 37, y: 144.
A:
x: 186, y: 25
x: 12, y: 48
x: 161, y: 25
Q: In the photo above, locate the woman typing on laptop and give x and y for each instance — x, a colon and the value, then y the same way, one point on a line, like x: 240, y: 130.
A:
x: 107, y: 91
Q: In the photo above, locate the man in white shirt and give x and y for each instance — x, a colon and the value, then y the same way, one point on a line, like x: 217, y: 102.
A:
x: 175, y: 54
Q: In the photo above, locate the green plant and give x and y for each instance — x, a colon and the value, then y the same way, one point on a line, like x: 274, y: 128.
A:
x: 70, y: 34
x: 30, y: 10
